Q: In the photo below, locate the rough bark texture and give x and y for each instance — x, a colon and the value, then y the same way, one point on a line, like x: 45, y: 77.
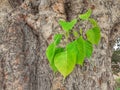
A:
x: 27, y: 27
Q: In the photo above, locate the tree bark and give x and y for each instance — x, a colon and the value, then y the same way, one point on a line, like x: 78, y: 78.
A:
x: 28, y: 27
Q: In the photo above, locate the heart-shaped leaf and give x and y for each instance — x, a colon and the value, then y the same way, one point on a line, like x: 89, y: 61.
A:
x: 67, y: 26
x: 65, y: 61
x: 50, y: 52
x: 88, y: 49
x: 80, y: 50
x: 84, y: 49
x: 93, y: 35
x: 52, y: 64
x: 86, y: 15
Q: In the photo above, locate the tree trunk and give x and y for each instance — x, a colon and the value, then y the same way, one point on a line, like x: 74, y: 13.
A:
x: 27, y: 27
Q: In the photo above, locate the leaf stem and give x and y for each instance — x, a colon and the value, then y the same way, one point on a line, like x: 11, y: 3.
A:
x: 66, y: 36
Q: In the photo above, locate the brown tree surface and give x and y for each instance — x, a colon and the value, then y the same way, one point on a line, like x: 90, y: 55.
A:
x: 26, y: 28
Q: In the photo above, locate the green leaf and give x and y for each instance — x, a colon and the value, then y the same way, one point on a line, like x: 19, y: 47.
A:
x: 57, y: 38
x: 59, y: 50
x: 50, y: 52
x: 93, y: 35
x: 84, y: 49
x: 67, y: 26
x: 86, y: 15
x: 81, y: 51
x: 93, y: 22
x: 88, y: 49
x: 52, y: 64
x: 65, y: 61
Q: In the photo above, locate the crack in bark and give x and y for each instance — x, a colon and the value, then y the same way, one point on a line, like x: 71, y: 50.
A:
x: 3, y: 74
x: 15, y: 3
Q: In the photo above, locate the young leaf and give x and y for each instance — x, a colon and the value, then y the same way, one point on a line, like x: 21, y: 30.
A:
x: 50, y: 52
x: 93, y: 35
x: 88, y: 49
x: 86, y: 15
x: 57, y: 38
x: 84, y: 49
x: 80, y: 50
x: 52, y: 64
x: 65, y: 61
x: 67, y: 26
